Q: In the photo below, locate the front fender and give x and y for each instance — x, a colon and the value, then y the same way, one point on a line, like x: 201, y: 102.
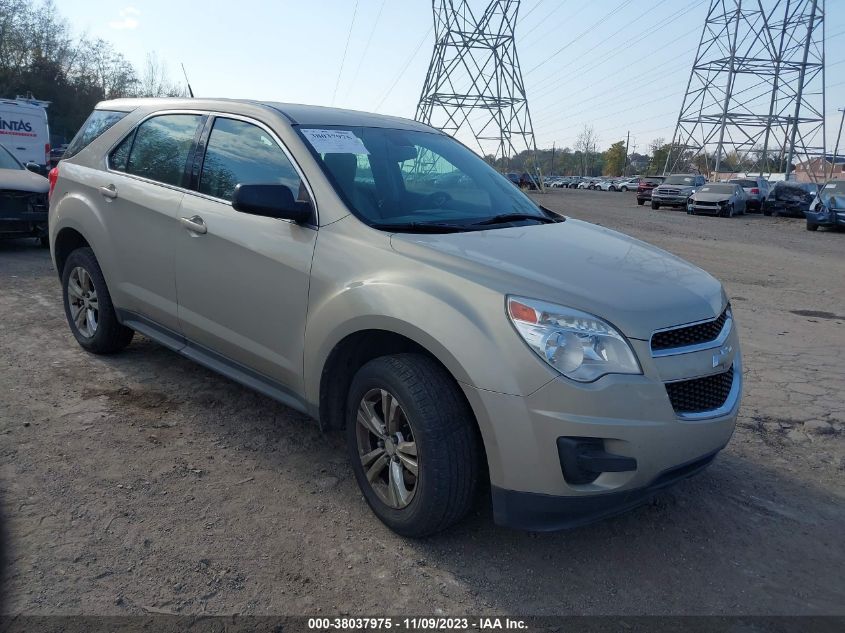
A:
x: 460, y: 322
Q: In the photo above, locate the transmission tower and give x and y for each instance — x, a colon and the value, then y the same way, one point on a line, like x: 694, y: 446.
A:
x: 474, y: 84
x: 755, y: 97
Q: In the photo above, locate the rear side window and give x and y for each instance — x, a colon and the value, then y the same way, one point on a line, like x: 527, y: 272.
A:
x: 242, y: 153
x: 95, y: 125
x: 745, y: 183
x: 160, y: 148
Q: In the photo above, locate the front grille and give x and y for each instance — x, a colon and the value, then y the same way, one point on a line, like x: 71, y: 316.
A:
x: 700, y: 394
x: 22, y: 201
x: 668, y: 192
x: 706, y: 203
x: 689, y: 335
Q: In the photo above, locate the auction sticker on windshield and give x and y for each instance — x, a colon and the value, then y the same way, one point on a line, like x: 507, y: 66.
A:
x: 335, y: 141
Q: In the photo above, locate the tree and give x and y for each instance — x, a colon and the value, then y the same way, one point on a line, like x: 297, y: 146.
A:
x: 155, y: 80
x: 586, y: 143
x: 659, y: 153
x: 615, y: 159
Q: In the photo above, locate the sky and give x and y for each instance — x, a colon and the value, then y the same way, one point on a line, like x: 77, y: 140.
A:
x: 620, y: 65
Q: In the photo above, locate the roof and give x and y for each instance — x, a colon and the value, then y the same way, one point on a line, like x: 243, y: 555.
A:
x: 297, y: 114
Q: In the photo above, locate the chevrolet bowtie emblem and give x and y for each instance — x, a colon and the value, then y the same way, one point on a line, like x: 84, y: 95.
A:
x: 719, y: 358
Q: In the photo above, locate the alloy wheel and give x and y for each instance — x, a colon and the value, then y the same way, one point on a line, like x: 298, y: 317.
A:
x: 82, y: 299
x: 387, y: 448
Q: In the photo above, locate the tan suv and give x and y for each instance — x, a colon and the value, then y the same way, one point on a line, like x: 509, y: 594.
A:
x: 381, y: 277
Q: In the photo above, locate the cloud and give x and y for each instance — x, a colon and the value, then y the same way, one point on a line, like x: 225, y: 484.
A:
x: 128, y: 20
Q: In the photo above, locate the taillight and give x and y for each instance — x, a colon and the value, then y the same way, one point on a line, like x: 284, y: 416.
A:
x: 53, y: 176
x: 755, y: 190
x: 46, y: 153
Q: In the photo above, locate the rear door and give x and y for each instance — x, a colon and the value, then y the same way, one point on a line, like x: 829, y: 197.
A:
x: 242, y: 279
x: 141, y: 194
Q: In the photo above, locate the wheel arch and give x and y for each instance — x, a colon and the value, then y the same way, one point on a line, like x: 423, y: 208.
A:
x: 67, y: 240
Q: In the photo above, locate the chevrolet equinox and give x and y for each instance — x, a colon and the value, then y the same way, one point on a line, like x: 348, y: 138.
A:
x: 379, y: 276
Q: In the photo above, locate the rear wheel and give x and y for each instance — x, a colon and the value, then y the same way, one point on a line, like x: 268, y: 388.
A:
x: 640, y: 202
x: 766, y: 211
x: 44, y: 241
x: 812, y: 227
x: 88, y: 305
x: 412, y: 442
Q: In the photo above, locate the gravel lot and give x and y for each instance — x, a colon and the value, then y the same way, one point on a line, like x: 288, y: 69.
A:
x: 144, y: 483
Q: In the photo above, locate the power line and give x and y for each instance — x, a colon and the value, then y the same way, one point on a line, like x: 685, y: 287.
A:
x: 404, y: 67
x: 367, y: 46
x: 345, y: 48
x: 589, y: 30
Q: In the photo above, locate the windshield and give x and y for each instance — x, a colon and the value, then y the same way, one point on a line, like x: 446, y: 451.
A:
x: 833, y: 194
x: 725, y: 189
x: 679, y: 180
x: 400, y: 177
x: 7, y: 161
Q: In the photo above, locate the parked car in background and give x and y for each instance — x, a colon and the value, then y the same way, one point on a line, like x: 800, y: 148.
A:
x: 792, y: 199
x: 756, y: 190
x: 457, y: 346
x: 605, y: 185
x: 828, y: 209
x: 56, y: 155
x: 527, y: 181
x: 24, y: 131
x: 514, y: 178
x: 676, y: 190
x: 645, y: 186
x: 23, y: 199
x: 628, y: 184
x: 575, y: 183
x: 724, y: 199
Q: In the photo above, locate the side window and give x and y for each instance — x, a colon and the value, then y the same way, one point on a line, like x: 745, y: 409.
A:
x: 96, y: 124
x: 161, y: 147
x: 120, y: 154
x: 242, y: 153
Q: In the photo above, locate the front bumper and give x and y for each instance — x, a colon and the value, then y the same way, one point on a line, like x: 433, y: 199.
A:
x: 632, y: 417
x: 547, y: 513
x: 671, y: 201
x: 19, y: 216
x: 699, y: 209
x: 826, y: 217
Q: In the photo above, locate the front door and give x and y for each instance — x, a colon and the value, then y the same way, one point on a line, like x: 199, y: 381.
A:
x: 242, y: 280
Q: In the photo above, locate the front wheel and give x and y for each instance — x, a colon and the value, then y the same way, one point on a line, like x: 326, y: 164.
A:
x: 655, y: 206
x: 625, y: 189
x: 812, y: 227
x: 88, y: 307
x: 413, y: 444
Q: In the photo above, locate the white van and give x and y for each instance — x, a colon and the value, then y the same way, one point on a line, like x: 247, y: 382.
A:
x: 24, y: 130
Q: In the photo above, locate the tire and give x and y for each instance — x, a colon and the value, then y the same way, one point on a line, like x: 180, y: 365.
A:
x: 640, y: 202
x: 434, y: 414
x: 812, y: 227
x: 44, y: 241
x: 654, y: 205
x: 103, y: 333
x: 625, y: 189
x: 767, y: 212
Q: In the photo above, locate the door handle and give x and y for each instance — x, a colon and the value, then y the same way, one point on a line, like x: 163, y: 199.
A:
x: 109, y: 191
x: 195, y: 224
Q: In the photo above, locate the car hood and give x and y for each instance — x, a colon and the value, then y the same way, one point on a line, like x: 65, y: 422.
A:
x: 23, y: 180
x: 711, y: 197
x: 635, y: 286
x: 664, y: 187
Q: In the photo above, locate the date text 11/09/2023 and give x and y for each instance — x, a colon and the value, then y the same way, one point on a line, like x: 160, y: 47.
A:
x: 417, y: 624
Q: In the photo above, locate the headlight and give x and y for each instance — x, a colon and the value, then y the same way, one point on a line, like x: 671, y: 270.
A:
x: 581, y: 346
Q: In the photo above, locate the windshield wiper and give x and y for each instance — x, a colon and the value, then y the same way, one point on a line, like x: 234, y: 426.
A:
x: 503, y: 218
x: 422, y: 227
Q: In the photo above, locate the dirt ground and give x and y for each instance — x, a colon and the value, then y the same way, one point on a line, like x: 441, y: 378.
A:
x: 144, y: 483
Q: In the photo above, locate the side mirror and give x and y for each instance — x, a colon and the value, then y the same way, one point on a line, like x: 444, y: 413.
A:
x: 270, y: 201
x: 35, y: 168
